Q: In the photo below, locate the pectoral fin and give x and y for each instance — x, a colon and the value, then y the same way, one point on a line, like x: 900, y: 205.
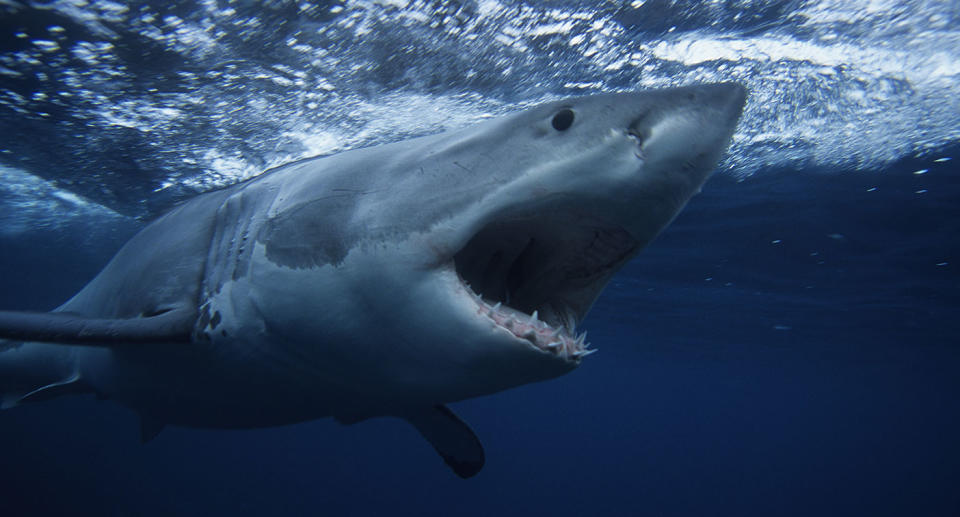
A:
x: 451, y: 437
x: 174, y: 325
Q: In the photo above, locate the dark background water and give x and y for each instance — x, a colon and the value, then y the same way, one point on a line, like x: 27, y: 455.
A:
x: 787, y: 347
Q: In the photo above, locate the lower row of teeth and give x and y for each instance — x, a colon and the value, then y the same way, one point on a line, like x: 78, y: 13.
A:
x: 574, y: 347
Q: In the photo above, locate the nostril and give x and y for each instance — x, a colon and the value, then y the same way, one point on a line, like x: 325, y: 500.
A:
x: 638, y: 137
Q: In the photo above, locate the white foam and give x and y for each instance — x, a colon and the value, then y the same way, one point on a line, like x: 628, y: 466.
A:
x: 836, y: 85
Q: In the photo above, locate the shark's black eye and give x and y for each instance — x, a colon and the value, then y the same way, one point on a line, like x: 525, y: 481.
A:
x: 563, y: 119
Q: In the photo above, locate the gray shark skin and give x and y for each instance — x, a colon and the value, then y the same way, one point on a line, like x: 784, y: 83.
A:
x: 385, y: 281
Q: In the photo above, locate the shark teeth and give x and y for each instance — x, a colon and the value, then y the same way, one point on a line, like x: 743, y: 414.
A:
x: 557, y: 341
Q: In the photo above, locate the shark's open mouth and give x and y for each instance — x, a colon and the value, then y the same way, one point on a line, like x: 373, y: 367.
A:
x: 537, y: 275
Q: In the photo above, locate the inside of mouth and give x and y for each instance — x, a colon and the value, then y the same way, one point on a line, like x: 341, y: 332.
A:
x: 538, y: 275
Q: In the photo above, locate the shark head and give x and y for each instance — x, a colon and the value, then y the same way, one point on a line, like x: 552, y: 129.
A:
x: 461, y: 264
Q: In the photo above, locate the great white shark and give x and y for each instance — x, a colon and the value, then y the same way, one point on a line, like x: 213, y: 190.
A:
x: 384, y: 281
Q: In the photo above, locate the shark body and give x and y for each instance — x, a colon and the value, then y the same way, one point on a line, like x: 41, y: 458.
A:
x: 385, y: 281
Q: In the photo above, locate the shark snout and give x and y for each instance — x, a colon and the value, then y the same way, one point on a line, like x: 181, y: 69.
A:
x: 731, y: 97
x: 721, y: 102
x: 714, y: 108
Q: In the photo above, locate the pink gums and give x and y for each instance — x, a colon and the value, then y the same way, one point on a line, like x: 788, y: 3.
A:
x: 539, y: 333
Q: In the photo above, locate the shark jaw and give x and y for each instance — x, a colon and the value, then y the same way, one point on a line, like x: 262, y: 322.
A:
x: 536, y: 281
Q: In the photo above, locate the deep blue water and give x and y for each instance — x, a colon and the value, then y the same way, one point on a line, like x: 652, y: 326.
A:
x: 787, y: 347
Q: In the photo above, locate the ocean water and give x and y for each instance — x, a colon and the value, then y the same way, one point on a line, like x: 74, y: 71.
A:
x: 788, y: 346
